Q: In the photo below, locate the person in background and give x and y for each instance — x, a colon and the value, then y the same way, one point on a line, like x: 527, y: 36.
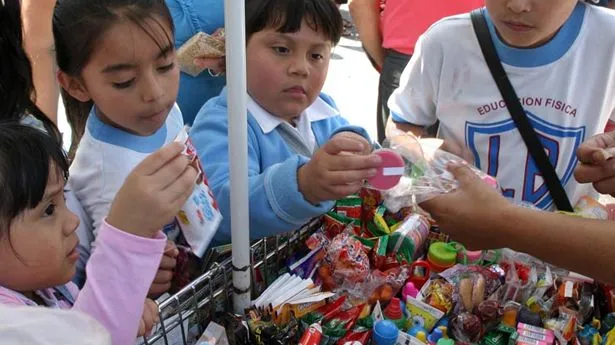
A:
x: 38, y: 43
x: 549, y: 49
x: 389, y: 33
x: 189, y: 18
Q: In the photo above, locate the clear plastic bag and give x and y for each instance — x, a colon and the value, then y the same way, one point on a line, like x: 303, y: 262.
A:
x: 426, y: 175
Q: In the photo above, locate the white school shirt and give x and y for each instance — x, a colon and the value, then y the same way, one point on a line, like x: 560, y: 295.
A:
x: 319, y: 110
x: 106, y: 156
x: 567, y: 88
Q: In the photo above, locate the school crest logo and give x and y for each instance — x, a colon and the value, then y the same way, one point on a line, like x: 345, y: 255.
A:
x: 493, y: 144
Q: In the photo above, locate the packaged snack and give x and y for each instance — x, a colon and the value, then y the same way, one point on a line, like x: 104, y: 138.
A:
x: 409, y: 236
x: 349, y: 262
x: 200, y: 45
x: 200, y: 216
x: 312, y: 335
x: 335, y: 224
x: 214, y: 335
x: 589, y: 207
x: 467, y: 327
x: 349, y: 207
x: 426, y: 174
x: 423, y: 313
x: 356, y: 337
x: 378, y: 226
x: 439, y: 294
x: 305, y: 266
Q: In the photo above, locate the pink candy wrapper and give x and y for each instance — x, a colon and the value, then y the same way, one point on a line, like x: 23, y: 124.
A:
x: 200, y: 217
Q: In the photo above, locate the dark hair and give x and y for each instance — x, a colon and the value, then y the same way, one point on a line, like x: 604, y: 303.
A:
x: 78, y: 26
x: 26, y: 154
x: 287, y: 16
x: 16, y: 85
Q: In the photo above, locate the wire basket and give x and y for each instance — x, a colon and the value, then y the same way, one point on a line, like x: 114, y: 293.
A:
x: 184, y: 316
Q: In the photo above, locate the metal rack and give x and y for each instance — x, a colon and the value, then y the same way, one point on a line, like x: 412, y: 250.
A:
x: 194, y: 306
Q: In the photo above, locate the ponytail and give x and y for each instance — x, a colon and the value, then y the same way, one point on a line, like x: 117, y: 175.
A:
x: 17, y: 95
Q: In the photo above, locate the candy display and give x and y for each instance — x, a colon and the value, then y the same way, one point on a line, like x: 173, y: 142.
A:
x: 381, y: 274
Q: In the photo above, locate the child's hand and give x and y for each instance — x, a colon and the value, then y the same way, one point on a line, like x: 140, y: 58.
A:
x: 149, y: 319
x: 164, y: 276
x: 338, y: 169
x: 153, y: 192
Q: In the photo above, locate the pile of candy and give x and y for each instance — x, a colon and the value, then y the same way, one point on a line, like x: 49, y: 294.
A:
x: 370, y: 276
x: 379, y: 271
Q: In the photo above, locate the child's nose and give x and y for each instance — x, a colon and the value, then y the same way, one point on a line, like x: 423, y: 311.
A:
x: 519, y: 6
x: 299, y: 66
x: 151, y: 90
x: 71, y: 224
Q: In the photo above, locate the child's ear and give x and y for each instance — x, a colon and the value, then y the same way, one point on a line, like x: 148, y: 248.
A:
x: 73, y: 86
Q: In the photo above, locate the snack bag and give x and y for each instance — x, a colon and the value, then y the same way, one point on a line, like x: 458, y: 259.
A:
x: 426, y: 174
x: 200, y: 217
x: 200, y: 45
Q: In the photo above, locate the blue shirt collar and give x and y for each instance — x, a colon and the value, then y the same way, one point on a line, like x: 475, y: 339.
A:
x: 118, y: 137
x: 546, y: 53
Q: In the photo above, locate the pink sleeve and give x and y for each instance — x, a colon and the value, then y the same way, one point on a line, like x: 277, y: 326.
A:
x: 119, y: 274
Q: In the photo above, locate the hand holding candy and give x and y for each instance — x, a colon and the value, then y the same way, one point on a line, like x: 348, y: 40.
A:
x: 337, y: 169
x: 597, y: 166
x: 153, y: 193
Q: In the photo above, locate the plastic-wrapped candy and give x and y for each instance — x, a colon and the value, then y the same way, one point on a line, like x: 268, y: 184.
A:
x: 349, y: 262
x: 467, y: 327
x: 426, y: 174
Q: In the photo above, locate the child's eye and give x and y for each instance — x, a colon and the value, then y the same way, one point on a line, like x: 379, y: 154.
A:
x: 166, y: 68
x: 49, y: 210
x: 281, y: 50
x: 123, y: 85
x: 317, y: 56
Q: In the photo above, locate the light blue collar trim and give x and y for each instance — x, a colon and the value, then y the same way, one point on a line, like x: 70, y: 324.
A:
x: 118, y: 137
x: 546, y: 53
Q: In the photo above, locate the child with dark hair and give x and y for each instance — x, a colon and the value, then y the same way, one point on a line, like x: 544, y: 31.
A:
x: 17, y: 102
x: 302, y: 154
x: 120, y: 79
x: 38, y: 237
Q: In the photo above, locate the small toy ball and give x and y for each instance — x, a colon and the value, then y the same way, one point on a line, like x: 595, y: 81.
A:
x: 390, y: 172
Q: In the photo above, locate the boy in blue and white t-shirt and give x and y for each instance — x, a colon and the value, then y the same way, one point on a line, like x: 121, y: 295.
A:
x: 563, y: 73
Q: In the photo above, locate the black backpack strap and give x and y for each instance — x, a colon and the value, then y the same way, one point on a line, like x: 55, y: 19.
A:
x: 517, y: 113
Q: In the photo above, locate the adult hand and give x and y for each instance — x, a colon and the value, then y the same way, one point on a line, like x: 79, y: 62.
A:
x: 215, y: 65
x: 596, y: 163
x: 471, y: 213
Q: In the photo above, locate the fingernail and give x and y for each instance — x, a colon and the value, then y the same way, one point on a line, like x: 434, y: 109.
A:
x: 375, y: 159
x: 372, y: 172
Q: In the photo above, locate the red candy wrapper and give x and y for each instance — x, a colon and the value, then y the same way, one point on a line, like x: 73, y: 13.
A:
x: 312, y: 335
x: 349, y: 207
x: 349, y: 262
x: 356, y: 337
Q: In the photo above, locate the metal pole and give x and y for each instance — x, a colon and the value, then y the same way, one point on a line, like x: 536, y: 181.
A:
x: 234, y: 19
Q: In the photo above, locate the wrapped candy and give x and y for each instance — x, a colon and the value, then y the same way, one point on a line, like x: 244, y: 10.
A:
x: 426, y: 174
x: 348, y: 261
x: 467, y: 327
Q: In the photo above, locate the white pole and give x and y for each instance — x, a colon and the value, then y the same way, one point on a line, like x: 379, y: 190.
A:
x: 234, y: 19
